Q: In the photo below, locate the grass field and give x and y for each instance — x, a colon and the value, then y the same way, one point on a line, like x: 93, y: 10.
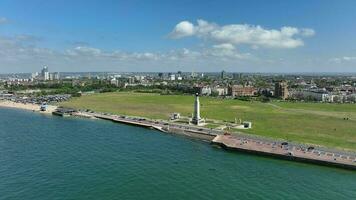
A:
x: 311, y: 123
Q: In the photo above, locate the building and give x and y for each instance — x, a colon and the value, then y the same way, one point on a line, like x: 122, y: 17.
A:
x: 51, y: 76
x: 172, y: 77
x: 131, y: 80
x: 196, y: 115
x: 206, y: 90
x: 223, y: 75
x: 115, y: 82
x: 46, y: 76
x: 34, y: 75
x: 220, y: 91
x: 56, y: 76
x: 240, y: 90
x: 237, y: 76
x: 312, y: 95
x: 45, y: 73
x: 281, y: 90
x: 139, y: 78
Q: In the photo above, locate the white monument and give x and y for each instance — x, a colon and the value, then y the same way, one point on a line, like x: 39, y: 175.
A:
x: 196, y: 115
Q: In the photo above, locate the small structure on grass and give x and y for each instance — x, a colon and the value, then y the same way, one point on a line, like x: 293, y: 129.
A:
x: 244, y: 125
x: 247, y: 124
x: 175, y: 116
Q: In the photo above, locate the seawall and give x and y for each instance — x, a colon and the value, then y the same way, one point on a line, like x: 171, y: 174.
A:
x: 163, y: 128
x: 292, y: 153
x: 241, y: 143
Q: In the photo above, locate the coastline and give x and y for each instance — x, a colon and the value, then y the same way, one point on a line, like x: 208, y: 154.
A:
x: 244, y: 143
x: 220, y: 138
x: 28, y: 106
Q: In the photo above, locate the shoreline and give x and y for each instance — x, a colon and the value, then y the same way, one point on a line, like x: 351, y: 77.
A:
x: 28, y: 106
x: 226, y: 141
x: 246, y: 144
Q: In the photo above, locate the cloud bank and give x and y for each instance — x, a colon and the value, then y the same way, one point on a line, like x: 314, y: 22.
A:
x: 222, y: 50
x: 22, y: 53
x: 343, y: 59
x: 237, y: 34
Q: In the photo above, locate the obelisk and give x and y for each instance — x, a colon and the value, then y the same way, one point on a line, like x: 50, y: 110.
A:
x: 196, y: 117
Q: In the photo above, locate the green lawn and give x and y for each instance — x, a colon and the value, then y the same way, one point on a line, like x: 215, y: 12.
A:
x: 312, y: 123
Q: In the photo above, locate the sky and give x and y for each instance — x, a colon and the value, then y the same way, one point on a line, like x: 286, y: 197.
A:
x: 185, y: 35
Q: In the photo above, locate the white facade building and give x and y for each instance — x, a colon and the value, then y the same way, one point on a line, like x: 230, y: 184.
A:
x: 205, y: 91
x: 46, y: 76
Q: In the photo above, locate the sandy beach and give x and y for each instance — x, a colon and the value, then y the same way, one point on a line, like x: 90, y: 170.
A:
x: 28, y: 106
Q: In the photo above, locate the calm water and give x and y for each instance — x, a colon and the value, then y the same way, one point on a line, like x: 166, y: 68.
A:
x: 45, y: 157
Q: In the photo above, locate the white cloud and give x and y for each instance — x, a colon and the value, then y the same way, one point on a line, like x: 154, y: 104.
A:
x: 343, y: 59
x: 307, y: 32
x: 27, y: 38
x: 3, y: 20
x: 347, y: 58
x: 223, y: 51
x: 17, y: 54
x: 236, y: 34
x: 84, y: 51
x: 182, y: 29
x: 225, y: 46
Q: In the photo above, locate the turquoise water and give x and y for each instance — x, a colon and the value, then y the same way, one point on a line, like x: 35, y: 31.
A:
x: 46, y: 157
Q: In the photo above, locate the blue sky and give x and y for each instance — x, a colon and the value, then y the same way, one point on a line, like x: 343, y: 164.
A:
x: 242, y: 36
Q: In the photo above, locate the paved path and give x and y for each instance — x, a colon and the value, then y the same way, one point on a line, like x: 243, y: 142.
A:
x: 286, y: 150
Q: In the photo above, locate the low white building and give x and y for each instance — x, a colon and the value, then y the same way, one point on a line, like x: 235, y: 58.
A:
x: 46, y: 76
x: 114, y: 81
x: 311, y: 95
x: 221, y: 91
x: 206, y: 90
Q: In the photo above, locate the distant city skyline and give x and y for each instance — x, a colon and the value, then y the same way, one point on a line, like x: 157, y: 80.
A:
x: 161, y: 36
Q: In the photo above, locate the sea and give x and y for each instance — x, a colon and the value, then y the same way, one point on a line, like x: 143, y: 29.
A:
x: 45, y: 157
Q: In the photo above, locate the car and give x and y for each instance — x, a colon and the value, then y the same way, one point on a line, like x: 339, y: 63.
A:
x: 310, y: 148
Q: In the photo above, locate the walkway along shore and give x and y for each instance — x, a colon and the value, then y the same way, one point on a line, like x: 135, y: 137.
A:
x: 287, y: 152
x: 243, y: 143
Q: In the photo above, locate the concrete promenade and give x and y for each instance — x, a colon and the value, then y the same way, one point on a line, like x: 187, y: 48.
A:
x: 286, y: 151
x: 163, y: 126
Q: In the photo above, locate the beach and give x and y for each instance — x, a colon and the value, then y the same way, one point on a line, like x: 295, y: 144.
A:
x: 27, y: 106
